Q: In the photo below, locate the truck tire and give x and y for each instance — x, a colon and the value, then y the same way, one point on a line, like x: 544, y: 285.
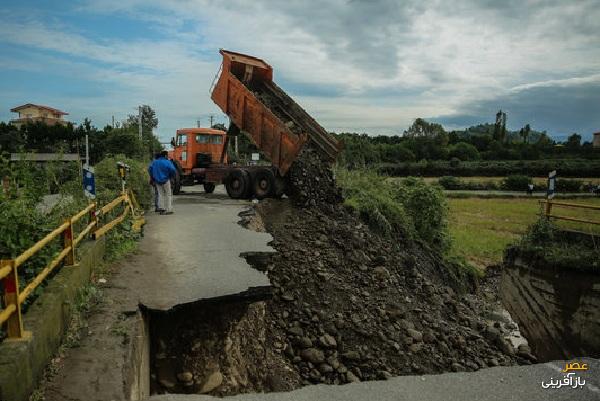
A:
x: 176, y: 183
x: 209, y: 187
x: 263, y: 183
x: 238, y: 184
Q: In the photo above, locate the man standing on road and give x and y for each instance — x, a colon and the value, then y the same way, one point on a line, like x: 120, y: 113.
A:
x: 161, y: 171
x: 157, y: 208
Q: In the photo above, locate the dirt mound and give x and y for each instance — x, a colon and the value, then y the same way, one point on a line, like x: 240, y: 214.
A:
x: 355, y: 306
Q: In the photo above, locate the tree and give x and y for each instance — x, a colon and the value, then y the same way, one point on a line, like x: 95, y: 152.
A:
x: 574, y: 141
x: 422, y: 128
x: 464, y: 151
x: 500, y: 126
x: 149, y: 120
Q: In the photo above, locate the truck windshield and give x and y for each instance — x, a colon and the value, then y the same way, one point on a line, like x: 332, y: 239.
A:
x: 211, y: 139
x: 181, y: 140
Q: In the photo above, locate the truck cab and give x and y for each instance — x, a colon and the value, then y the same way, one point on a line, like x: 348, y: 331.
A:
x: 195, y: 150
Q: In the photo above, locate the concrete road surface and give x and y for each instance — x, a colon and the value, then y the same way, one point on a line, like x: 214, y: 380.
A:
x: 516, y: 383
x: 194, y: 254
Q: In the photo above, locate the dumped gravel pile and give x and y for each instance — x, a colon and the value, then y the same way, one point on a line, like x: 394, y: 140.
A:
x: 312, y: 182
x: 353, y: 306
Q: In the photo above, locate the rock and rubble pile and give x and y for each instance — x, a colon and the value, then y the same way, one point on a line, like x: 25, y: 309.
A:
x: 312, y: 182
x: 354, y: 306
x: 348, y: 305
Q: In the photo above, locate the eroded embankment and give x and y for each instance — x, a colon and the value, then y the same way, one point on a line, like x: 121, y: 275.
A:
x: 221, y: 348
x: 557, y: 308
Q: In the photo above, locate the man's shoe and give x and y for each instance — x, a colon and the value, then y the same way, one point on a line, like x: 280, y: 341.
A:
x: 159, y: 210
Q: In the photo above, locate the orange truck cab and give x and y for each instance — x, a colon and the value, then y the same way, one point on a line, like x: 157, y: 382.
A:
x: 194, y: 151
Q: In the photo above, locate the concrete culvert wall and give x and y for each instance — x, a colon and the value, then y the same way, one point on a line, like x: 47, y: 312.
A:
x: 220, y: 348
x: 22, y: 362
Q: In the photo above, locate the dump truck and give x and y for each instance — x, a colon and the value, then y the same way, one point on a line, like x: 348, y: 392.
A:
x: 244, y: 90
x: 194, y: 151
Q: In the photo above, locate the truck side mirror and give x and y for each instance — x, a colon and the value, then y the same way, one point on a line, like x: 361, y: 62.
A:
x: 172, y: 141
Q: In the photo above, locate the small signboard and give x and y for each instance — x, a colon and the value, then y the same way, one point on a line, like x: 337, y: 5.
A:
x: 551, y: 184
x: 89, y: 182
x: 255, y: 157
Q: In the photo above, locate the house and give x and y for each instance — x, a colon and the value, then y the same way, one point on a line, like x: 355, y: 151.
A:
x: 37, y: 113
x: 596, y: 142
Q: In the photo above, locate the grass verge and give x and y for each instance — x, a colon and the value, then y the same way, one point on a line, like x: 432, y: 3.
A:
x: 481, y: 229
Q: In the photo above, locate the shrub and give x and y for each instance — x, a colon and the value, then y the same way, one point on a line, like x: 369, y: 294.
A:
x: 454, y: 162
x: 568, y: 185
x: 411, y: 208
x: 426, y: 205
x: 451, y: 183
x: 516, y: 183
x: 368, y: 194
x: 108, y: 184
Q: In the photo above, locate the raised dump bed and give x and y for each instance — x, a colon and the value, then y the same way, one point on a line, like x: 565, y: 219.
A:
x: 279, y: 127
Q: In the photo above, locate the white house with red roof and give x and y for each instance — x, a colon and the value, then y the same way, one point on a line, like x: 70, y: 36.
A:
x: 30, y: 113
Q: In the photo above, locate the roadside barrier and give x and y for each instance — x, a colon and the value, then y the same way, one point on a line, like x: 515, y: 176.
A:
x: 550, y: 204
x: 14, y: 298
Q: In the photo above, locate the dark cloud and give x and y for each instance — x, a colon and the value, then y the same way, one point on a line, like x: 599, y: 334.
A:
x: 558, y: 110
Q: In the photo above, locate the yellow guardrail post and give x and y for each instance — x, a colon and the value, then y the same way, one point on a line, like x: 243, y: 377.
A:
x: 68, y: 243
x: 94, y: 218
x: 12, y: 306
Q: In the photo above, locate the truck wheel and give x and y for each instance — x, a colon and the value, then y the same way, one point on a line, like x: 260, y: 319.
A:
x: 237, y: 184
x: 176, y: 183
x: 263, y: 183
x: 209, y: 187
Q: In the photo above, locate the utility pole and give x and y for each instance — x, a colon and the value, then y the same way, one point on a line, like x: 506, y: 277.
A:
x: 198, y: 123
x: 140, y: 121
x: 113, y: 121
x: 87, y: 152
x: 211, y: 120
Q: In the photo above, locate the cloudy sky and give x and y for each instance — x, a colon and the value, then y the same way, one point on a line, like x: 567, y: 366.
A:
x: 365, y: 66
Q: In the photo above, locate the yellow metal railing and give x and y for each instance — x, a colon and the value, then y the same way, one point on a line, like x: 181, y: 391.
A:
x: 14, y: 298
x: 548, y: 205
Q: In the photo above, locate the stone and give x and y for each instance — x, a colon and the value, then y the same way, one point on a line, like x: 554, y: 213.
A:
x: 385, y: 375
x: 457, y: 367
x: 166, y: 383
x: 351, y: 355
x: 325, y: 368
x: 381, y: 272
x: 185, y: 377
x: 304, y: 342
x: 287, y: 297
x: 332, y: 360
x: 312, y: 355
x: 297, y: 331
x: 212, y: 382
x: 415, y: 335
x: 327, y: 341
x: 351, y: 377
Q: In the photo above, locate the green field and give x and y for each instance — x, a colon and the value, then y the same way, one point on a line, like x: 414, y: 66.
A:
x: 482, y: 228
x: 536, y: 180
